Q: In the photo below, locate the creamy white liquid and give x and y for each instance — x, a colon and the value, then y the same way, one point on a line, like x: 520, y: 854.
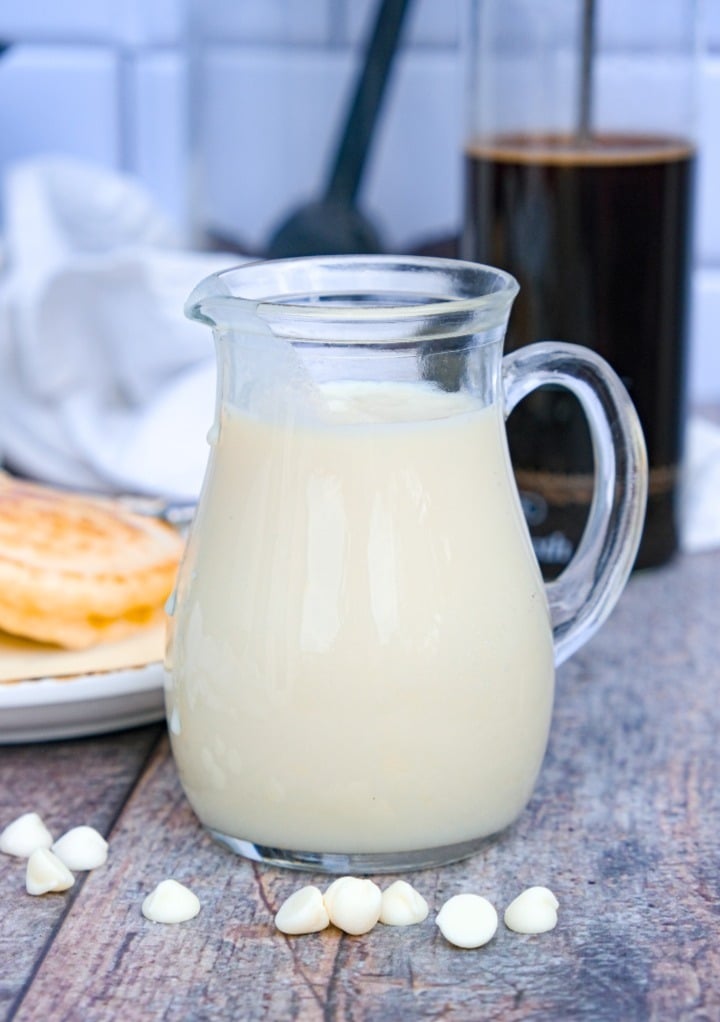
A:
x: 361, y: 657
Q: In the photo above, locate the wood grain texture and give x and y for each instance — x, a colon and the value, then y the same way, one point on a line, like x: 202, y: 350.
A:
x: 67, y: 783
x: 624, y: 827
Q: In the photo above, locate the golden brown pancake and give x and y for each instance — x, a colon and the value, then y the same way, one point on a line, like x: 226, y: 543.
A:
x: 77, y: 570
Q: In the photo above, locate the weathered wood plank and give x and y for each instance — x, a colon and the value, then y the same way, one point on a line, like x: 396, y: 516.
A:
x: 67, y: 783
x: 624, y: 826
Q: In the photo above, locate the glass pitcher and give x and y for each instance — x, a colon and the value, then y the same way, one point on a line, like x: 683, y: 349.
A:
x: 361, y: 652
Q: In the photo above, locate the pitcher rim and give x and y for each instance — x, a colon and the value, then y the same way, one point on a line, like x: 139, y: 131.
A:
x: 213, y: 303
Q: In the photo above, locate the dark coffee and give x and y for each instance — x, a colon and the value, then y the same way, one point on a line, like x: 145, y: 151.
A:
x: 598, y: 237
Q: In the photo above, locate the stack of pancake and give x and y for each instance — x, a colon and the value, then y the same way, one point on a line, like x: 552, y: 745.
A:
x: 76, y: 571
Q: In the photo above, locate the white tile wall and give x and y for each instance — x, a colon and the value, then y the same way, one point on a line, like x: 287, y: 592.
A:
x: 711, y: 23
x: 429, y: 23
x: 413, y: 186
x: 641, y: 25
x: 156, y: 132
x: 59, y: 99
x: 149, y: 22
x: 66, y: 21
x: 106, y: 80
x: 708, y: 204
x: 704, y: 380
x: 130, y: 22
x: 277, y: 22
x: 267, y: 140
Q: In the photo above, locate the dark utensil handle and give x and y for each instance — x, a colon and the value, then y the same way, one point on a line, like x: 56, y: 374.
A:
x: 354, y: 145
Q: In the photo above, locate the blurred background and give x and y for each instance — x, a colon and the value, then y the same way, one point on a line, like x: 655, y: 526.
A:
x: 114, y: 83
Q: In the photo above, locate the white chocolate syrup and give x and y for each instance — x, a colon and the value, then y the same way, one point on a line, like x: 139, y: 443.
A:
x: 361, y: 654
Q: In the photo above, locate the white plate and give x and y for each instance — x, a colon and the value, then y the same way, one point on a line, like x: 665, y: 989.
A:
x: 90, y: 704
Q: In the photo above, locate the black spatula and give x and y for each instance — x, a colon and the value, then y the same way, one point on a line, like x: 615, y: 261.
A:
x: 332, y: 225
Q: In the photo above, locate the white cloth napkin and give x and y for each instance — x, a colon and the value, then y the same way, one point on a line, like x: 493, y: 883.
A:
x: 103, y: 381
x: 700, y: 529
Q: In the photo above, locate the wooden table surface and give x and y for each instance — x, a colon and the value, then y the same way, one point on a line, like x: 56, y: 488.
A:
x: 624, y: 827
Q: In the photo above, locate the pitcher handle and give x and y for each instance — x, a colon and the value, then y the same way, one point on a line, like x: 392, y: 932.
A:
x: 582, y: 597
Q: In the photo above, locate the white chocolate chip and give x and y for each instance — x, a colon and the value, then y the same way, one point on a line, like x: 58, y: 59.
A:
x: 303, y: 912
x: 45, y: 872
x: 24, y: 835
x: 353, y: 905
x: 81, y: 848
x: 533, y: 911
x: 467, y: 920
x: 170, y: 902
x: 332, y: 890
x: 402, y: 905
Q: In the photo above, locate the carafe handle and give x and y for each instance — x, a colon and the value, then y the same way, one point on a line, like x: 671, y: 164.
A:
x: 582, y: 597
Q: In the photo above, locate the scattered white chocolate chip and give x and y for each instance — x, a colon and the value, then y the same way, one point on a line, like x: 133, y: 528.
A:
x: 533, y: 911
x: 332, y: 890
x: 170, y: 902
x: 81, y: 848
x: 402, y: 905
x: 467, y: 920
x: 303, y: 912
x: 45, y: 872
x: 353, y: 905
x: 24, y: 835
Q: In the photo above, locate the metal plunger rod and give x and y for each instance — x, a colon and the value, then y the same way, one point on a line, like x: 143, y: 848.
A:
x: 586, y: 71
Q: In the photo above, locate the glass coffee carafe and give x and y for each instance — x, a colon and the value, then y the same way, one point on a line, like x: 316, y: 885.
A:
x: 580, y: 162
